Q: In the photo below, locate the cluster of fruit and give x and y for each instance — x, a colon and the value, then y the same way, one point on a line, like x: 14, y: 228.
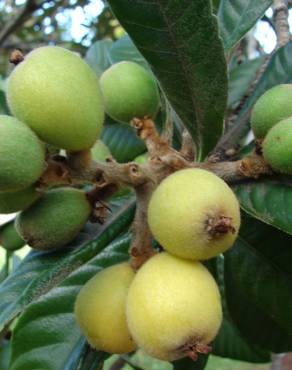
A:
x: 271, y: 122
x: 58, y: 103
x: 171, y: 307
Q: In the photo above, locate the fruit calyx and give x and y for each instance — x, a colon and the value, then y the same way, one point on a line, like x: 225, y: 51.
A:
x: 193, y: 348
x: 16, y: 57
x: 219, y: 225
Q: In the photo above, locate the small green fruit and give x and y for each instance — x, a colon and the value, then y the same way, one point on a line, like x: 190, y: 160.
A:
x: 173, y: 307
x: 277, y: 147
x: 129, y: 91
x: 55, y: 219
x: 100, y: 309
x: 56, y: 93
x: 9, y: 238
x: 194, y: 214
x: 100, y: 152
x: 142, y: 158
x: 11, y: 202
x: 21, y: 155
x: 273, y: 106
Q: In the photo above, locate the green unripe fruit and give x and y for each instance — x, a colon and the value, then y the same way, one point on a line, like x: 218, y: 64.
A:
x: 129, y: 91
x: 273, y: 106
x: 277, y: 147
x: 142, y: 158
x: 56, y: 93
x: 100, y: 309
x: 194, y: 214
x: 9, y: 238
x: 11, y: 202
x: 100, y: 152
x: 173, y: 307
x: 55, y: 219
x: 22, y: 155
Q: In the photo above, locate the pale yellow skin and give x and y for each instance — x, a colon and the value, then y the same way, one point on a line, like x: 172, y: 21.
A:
x: 172, y: 302
x: 100, y: 309
x: 57, y: 94
x: 180, y: 208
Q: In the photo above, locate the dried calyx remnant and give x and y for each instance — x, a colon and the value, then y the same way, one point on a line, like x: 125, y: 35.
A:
x: 16, y: 57
x: 163, y: 160
x: 216, y: 226
x: 192, y: 349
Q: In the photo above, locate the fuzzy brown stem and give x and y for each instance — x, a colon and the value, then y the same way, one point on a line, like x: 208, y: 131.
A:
x: 281, y: 22
x: 109, y: 176
x: 146, y: 130
x: 80, y: 161
x: 141, y: 246
x: 187, y: 149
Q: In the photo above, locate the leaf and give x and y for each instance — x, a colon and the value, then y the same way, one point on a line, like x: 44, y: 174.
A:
x: 240, y: 79
x: 278, y: 71
x: 97, y: 56
x: 215, y: 5
x: 179, y: 39
x: 90, y: 359
x: 124, y: 49
x: 48, y: 326
x: 229, y: 343
x: 237, y: 17
x: 258, y: 285
x: 39, y: 272
x: 269, y: 201
x: 122, y: 141
x: 4, y: 354
x: 3, y: 104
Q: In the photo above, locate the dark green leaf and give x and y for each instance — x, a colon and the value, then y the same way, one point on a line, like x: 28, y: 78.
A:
x: 240, y: 79
x: 268, y: 200
x: 122, y: 141
x: 279, y: 70
x: 124, y: 49
x: 215, y: 4
x: 179, y: 39
x: 4, y: 354
x: 258, y: 285
x: 229, y: 343
x: 3, y: 105
x: 90, y: 359
x: 40, y: 272
x: 46, y: 335
x: 237, y: 17
x: 97, y: 56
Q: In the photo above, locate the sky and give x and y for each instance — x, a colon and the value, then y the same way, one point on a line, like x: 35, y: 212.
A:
x: 79, y: 18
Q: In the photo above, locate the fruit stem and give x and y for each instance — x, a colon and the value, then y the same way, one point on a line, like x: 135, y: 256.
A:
x: 141, y: 245
x: 80, y: 161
